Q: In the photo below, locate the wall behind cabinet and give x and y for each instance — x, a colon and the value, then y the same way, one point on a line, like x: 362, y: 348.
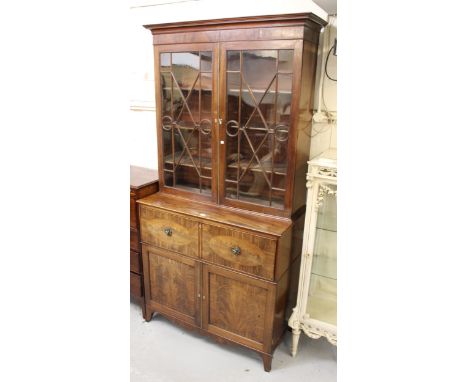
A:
x: 324, y: 134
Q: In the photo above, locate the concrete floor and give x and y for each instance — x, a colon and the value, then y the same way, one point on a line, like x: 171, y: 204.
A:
x: 162, y: 352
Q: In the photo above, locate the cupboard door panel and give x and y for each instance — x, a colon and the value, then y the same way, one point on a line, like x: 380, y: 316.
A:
x: 174, y: 284
x: 237, y: 307
x: 239, y: 250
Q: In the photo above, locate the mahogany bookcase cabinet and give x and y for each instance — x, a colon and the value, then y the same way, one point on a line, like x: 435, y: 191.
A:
x: 234, y: 102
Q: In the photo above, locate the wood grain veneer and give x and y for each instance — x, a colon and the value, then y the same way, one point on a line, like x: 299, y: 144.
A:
x: 182, y: 237
x: 257, y: 253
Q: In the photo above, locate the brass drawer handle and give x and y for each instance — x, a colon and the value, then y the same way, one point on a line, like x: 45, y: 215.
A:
x: 235, y: 251
x: 168, y: 231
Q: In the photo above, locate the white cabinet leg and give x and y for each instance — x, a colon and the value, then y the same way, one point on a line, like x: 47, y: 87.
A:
x: 295, y: 341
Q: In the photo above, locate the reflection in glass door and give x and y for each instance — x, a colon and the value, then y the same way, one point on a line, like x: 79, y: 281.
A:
x: 186, y: 112
x: 258, y: 118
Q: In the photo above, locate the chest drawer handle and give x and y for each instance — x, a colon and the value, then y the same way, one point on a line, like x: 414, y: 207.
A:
x: 168, y: 231
x: 235, y: 251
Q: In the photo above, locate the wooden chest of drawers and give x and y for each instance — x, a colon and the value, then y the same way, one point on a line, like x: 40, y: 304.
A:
x: 143, y: 182
x: 228, y: 280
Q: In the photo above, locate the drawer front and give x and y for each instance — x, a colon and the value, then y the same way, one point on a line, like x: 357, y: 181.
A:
x: 134, y: 244
x: 169, y: 231
x: 133, y: 214
x: 239, y: 250
x: 136, y: 289
x: 135, y: 262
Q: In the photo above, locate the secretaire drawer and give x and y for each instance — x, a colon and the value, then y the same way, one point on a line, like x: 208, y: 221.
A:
x: 239, y: 250
x: 169, y: 231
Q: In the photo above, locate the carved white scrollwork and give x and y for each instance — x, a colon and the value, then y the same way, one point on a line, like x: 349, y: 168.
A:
x: 294, y: 319
x: 323, y: 190
x: 327, y: 171
x: 315, y: 330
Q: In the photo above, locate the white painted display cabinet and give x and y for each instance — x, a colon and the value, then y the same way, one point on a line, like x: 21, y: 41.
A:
x: 315, y: 311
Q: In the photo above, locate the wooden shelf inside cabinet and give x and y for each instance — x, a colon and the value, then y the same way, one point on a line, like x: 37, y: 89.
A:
x: 205, y: 163
x: 143, y: 182
x: 220, y: 238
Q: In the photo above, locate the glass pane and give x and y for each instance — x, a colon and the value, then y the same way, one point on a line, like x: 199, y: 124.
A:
x: 254, y: 185
x: 233, y: 60
x: 326, y: 215
x: 324, y: 262
x: 167, y: 148
x: 187, y: 178
x: 191, y: 114
x: 166, y: 94
x: 168, y: 178
x: 258, y: 70
x: 232, y: 132
x: 206, y: 84
x: 185, y: 68
x: 187, y: 158
x: 178, y: 144
x: 321, y: 303
x: 285, y: 62
x: 232, y: 157
x: 283, y: 109
x: 206, y: 186
x: 322, y: 290
x: 233, y: 86
x: 206, y: 60
x: 257, y: 126
x: 165, y: 61
x: 187, y: 121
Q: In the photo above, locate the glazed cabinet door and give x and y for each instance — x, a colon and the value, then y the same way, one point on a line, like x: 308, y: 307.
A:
x: 186, y: 76
x: 256, y: 103
x: 173, y: 286
x: 237, y: 307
